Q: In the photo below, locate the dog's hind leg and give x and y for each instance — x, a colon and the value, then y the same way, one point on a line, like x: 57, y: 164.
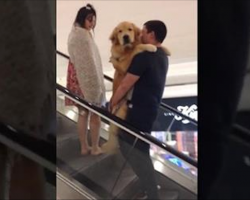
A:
x: 111, y: 146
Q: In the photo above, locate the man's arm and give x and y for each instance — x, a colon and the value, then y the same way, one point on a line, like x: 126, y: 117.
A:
x: 127, y: 83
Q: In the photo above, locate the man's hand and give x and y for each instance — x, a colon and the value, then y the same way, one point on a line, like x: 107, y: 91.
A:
x: 113, y: 107
x: 126, y: 84
x: 110, y: 107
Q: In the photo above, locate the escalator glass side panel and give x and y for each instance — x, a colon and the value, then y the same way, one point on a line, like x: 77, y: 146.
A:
x: 108, y: 175
x: 141, y: 157
x: 98, y: 173
x: 174, y: 130
x: 177, y: 132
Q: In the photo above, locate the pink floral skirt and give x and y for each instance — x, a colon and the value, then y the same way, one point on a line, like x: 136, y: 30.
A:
x: 72, y: 85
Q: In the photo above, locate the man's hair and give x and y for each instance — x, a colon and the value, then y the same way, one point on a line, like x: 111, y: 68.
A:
x: 158, y: 27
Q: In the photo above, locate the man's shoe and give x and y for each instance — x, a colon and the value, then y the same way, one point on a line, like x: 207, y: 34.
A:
x: 140, y: 195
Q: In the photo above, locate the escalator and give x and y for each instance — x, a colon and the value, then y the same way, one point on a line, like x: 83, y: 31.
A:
x: 109, y: 176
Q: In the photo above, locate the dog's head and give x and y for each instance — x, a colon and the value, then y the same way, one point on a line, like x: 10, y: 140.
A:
x: 125, y: 34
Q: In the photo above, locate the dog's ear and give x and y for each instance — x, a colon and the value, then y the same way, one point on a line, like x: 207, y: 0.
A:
x: 113, y: 37
x: 137, y: 33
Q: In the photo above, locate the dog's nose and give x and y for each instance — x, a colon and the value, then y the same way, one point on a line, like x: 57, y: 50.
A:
x: 126, y: 39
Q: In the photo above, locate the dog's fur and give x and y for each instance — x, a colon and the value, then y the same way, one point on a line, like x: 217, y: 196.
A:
x: 126, y: 44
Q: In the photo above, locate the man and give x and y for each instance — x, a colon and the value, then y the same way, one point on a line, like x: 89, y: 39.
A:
x: 146, y: 75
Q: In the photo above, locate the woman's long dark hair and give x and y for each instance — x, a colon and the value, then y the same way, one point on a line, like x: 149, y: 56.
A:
x: 83, y: 13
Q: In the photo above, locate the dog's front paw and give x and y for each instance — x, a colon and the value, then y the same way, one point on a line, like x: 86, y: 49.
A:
x: 147, y: 47
x: 113, y: 60
x: 151, y: 48
x: 166, y: 50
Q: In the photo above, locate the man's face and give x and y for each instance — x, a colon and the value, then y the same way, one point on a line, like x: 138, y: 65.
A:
x: 145, y: 36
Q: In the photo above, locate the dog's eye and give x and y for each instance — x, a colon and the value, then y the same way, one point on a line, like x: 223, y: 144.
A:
x: 120, y: 31
x: 130, y: 29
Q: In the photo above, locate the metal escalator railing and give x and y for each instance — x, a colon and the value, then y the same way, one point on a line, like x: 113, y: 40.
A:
x: 106, y: 175
x: 127, y: 127
x: 35, y: 149
x: 67, y: 57
x: 241, y: 132
x: 39, y: 151
x: 163, y: 105
x: 117, y: 179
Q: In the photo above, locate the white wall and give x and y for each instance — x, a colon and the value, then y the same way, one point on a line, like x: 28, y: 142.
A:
x: 179, y: 16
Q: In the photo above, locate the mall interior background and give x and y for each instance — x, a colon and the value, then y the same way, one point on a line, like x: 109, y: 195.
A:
x: 181, y: 20
x: 179, y: 16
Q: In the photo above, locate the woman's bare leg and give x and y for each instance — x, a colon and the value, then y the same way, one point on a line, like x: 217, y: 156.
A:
x: 95, y: 125
x: 83, y: 130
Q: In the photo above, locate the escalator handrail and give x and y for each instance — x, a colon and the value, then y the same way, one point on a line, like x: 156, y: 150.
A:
x: 163, y: 105
x: 242, y: 132
x: 126, y: 126
x: 36, y: 149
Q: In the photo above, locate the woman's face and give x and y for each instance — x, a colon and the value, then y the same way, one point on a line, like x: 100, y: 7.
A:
x: 90, y: 22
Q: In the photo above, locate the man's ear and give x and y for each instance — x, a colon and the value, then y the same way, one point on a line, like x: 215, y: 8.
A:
x: 137, y: 33
x: 152, y: 34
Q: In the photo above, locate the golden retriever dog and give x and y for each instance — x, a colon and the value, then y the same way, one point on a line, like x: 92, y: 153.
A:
x: 126, y: 43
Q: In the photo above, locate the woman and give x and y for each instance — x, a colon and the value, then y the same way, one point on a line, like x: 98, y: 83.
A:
x: 85, y: 76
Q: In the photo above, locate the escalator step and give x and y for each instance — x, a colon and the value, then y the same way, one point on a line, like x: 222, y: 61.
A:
x: 163, y: 193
